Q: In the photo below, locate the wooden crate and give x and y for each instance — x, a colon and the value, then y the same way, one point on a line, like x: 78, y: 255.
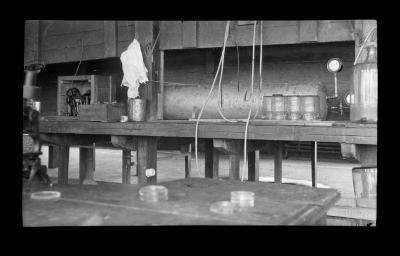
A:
x: 102, y: 89
x: 102, y: 112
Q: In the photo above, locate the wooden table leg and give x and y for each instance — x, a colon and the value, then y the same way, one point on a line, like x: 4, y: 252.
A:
x: 146, y: 158
x: 53, y: 156
x: 63, y: 164
x: 314, y: 159
x: 211, y: 159
x: 126, y: 168
x: 253, y: 165
x: 234, y: 166
x: 87, y: 163
x: 188, y: 162
x: 278, y: 162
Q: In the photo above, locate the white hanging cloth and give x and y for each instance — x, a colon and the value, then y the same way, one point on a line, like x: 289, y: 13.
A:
x: 135, y: 72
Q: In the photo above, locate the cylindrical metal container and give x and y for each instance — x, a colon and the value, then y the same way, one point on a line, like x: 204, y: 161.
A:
x: 267, y: 107
x: 294, y: 116
x: 293, y: 103
x: 136, y: 109
x: 278, y: 103
x: 180, y: 101
x: 364, y: 93
x: 365, y: 181
x: 309, y: 104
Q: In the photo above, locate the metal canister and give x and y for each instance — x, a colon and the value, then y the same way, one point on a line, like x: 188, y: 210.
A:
x: 364, y: 92
x: 136, y: 109
x: 309, y: 104
x: 278, y: 103
x: 293, y: 104
x: 279, y: 115
x: 267, y: 107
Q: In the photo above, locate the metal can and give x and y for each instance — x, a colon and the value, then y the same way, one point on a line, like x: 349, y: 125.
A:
x: 293, y: 103
x: 279, y: 115
x: 278, y: 104
x: 294, y: 116
x: 309, y: 104
x: 267, y: 107
x: 136, y: 109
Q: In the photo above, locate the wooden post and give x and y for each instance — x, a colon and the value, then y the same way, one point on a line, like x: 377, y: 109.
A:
x: 146, y: 33
x: 234, y: 166
x: 278, y: 162
x: 253, y: 165
x: 146, y: 158
x: 187, y: 150
x: 211, y: 158
x: 314, y: 159
x: 126, y: 169
x: 53, y: 156
x: 87, y: 163
x: 63, y: 164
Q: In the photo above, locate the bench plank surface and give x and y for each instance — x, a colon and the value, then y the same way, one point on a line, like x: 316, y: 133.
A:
x: 188, y: 204
x: 357, y: 134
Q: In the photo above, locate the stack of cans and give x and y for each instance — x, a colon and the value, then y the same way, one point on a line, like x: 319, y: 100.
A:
x: 153, y: 193
x: 242, y: 198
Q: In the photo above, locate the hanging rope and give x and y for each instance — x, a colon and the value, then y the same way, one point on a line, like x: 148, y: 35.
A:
x: 206, y: 101
x: 244, y: 169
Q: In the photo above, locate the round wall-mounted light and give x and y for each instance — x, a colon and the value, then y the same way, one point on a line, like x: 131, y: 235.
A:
x: 334, y: 65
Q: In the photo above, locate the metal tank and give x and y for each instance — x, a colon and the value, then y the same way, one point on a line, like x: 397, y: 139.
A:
x: 364, y: 92
x: 185, y: 102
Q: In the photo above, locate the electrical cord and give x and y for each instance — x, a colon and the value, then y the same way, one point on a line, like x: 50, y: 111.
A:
x: 244, y: 169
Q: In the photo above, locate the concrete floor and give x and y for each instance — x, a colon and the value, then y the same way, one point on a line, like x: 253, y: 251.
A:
x: 331, y: 172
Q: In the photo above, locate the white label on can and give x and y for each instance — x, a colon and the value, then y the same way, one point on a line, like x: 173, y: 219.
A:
x: 150, y: 172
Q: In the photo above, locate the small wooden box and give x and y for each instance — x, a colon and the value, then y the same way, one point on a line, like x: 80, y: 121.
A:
x: 102, y: 89
x: 102, y: 112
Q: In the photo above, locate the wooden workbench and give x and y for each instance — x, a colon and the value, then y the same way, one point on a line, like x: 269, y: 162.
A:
x: 141, y: 136
x: 188, y: 204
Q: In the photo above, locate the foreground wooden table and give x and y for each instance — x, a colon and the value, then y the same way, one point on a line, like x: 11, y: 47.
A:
x: 188, y: 204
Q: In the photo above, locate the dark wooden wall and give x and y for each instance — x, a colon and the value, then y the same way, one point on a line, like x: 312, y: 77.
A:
x: 61, y: 41
x: 51, y: 41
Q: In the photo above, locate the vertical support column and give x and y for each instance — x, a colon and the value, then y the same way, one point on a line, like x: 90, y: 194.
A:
x: 234, y: 166
x: 87, y: 163
x: 187, y: 150
x: 253, y: 165
x: 63, y: 164
x: 53, y: 156
x: 146, y: 158
x: 146, y: 32
x: 278, y: 162
x: 211, y: 158
x: 126, y: 169
x: 314, y: 159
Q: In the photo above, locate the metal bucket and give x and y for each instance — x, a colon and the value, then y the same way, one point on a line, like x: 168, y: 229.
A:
x: 267, y: 107
x: 293, y: 103
x: 365, y: 181
x: 278, y: 104
x: 279, y: 115
x: 364, y: 100
x: 136, y: 109
x: 294, y: 116
x: 310, y: 104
